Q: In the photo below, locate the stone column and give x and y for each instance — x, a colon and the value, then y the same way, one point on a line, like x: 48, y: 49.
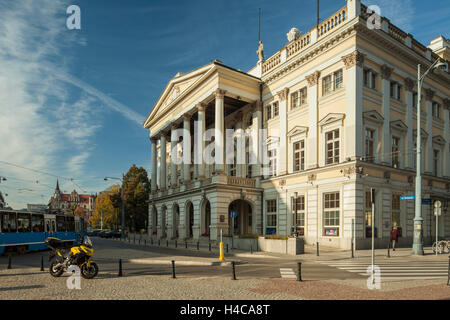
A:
x: 354, y: 132
x: 429, y: 94
x: 258, y: 141
x: 312, y: 158
x: 163, y: 165
x: 219, y: 137
x: 283, y: 97
x: 409, y: 157
x: 200, y: 140
x: 186, y: 148
x: 386, y: 151
x: 446, y: 158
x: 153, y: 165
x: 173, y: 155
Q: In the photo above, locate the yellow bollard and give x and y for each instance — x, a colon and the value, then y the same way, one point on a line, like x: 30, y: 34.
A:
x: 222, y: 256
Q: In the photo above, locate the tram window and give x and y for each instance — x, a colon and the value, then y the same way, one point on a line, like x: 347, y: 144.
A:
x: 70, y: 224
x: 60, y: 224
x: 37, y: 223
x: 9, y: 222
x: 23, y: 222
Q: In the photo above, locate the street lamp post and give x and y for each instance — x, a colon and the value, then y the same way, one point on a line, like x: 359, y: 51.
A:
x: 418, y: 219
x: 123, y: 202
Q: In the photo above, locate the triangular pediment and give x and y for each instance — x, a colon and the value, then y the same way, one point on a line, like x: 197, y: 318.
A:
x: 399, y: 125
x: 331, y: 117
x: 297, y: 130
x: 439, y: 140
x: 373, y: 116
x: 423, y: 133
x: 272, y: 140
x: 178, y: 87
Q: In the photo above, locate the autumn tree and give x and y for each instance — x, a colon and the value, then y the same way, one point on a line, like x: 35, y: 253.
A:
x: 79, y: 211
x: 137, y: 188
x: 104, y: 205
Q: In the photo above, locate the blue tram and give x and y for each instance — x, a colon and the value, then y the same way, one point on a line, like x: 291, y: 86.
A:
x: 22, y: 231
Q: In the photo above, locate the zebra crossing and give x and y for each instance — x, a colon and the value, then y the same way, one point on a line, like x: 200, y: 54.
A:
x: 395, y: 270
x: 287, y: 273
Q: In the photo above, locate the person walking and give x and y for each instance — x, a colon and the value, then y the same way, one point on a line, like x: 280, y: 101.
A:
x: 394, y: 237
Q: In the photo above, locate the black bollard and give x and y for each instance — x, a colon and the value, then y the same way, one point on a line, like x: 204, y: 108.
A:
x: 210, y: 246
x: 389, y: 251
x: 185, y: 243
x: 9, y: 262
x: 175, y: 243
x: 173, y: 269
x: 167, y: 243
x: 120, y: 268
x: 159, y: 242
x: 234, y: 270
x: 227, y: 247
x: 352, y: 250
x: 299, y: 271
x: 42, y: 263
x: 198, y: 245
x: 317, y: 249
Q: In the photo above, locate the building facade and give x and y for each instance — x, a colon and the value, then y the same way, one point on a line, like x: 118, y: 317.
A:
x: 337, y: 107
x: 65, y: 201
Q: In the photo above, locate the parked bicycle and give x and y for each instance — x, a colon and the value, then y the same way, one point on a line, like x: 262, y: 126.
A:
x: 442, y: 246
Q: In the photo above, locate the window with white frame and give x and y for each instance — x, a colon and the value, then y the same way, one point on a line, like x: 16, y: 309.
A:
x: 338, y: 79
x: 436, y: 110
x: 395, y: 152
x: 276, y: 109
x: 331, y: 214
x: 299, y: 98
x: 370, y: 78
x: 369, y: 145
x: 249, y: 166
x: 299, y: 155
x: 271, y: 216
x: 233, y: 165
x: 332, y: 82
x: 298, y: 215
x: 327, y: 84
x: 436, y: 162
x: 395, y: 90
x: 332, y: 147
x: 272, y: 155
x: 268, y: 112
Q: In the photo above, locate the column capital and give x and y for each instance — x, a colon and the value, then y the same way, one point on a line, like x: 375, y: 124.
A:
x: 354, y: 58
x: 429, y: 94
x: 219, y: 93
x: 409, y: 84
x: 446, y: 103
x: 386, y: 72
x: 153, y: 139
x: 282, y: 95
x: 187, y: 117
x: 201, y: 106
x: 313, y: 79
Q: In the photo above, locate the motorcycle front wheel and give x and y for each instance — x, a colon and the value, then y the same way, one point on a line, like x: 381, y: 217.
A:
x: 89, y: 272
x: 56, y: 272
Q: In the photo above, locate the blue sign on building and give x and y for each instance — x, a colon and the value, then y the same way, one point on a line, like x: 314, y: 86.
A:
x: 407, y: 198
x: 426, y: 201
x: 233, y: 214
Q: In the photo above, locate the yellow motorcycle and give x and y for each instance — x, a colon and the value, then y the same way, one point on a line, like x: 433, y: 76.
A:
x: 78, y: 255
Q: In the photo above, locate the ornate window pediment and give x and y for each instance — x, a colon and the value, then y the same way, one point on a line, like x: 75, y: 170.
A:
x: 332, y: 118
x: 272, y: 140
x: 373, y: 116
x: 297, y: 130
x: 439, y: 140
x: 399, y: 125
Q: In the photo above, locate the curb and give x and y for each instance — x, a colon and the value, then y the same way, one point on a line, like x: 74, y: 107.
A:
x: 184, y: 262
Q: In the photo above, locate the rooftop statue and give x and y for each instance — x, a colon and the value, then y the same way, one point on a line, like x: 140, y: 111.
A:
x: 260, y: 51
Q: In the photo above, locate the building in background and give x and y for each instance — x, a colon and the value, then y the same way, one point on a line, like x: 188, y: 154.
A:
x: 2, y: 201
x: 41, y: 208
x: 339, y: 106
x: 66, y: 201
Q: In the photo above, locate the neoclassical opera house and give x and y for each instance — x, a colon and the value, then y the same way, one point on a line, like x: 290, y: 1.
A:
x: 338, y: 109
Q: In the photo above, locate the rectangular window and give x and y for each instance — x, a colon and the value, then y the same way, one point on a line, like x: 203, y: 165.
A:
x: 60, y: 224
x: 299, y: 155
x: 295, y: 102
x: 303, y: 96
x: 37, y: 223
x: 373, y: 83
x: 331, y: 213
x: 23, y: 222
x: 395, y: 152
x: 396, y: 213
x: 369, y: 142
x: 338, y: 80
x: 298, y: 215
x: 269, y: 112
x: 366, y: 77
x: 327, y: 85
x: 275, y: 109
x: 368, y: 216
x: 271, y: 222
x: 9, y: 222
x: 272, y: 154
x: 436, y: 110
x: 332, y: 147
x: 435, y: 162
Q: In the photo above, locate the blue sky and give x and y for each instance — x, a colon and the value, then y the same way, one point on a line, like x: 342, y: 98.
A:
x: 72, y: 102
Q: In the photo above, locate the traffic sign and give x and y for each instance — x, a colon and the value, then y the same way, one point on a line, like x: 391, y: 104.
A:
x: 407, y: 198
x: 233, y: 214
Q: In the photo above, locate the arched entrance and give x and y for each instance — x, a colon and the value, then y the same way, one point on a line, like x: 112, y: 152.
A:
x: 175, y: 219
x: 189, y: 220
x: 163, y: 222
x: 240, y: 219
x: 206, y: 219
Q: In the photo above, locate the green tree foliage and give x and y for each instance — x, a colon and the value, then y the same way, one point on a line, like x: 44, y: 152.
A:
x: 137, y: 188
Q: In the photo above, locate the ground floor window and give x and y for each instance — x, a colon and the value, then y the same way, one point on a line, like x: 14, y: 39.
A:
x: 368, y: 216
x: 298, y: 215
x: 271, y: 222
x: 331, y: 214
